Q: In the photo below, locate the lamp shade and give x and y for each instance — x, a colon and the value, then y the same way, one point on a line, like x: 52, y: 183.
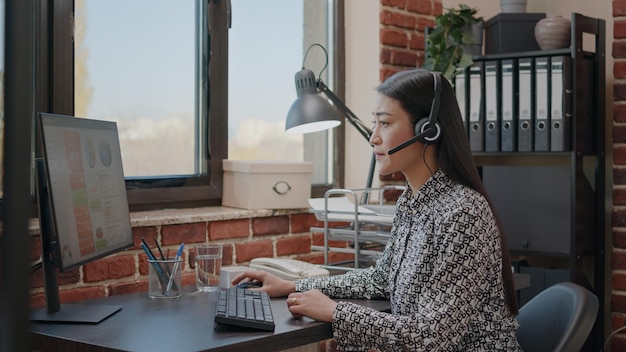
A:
x: 310, y: 112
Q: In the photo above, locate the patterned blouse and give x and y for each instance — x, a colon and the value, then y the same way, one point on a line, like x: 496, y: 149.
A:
x: 441, y: 272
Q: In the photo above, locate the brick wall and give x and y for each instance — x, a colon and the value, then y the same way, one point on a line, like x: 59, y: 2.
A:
x: 618, y: 255
x: 243, y: 239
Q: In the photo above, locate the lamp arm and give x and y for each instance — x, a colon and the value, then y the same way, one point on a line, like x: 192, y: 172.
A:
x: 352, y: 118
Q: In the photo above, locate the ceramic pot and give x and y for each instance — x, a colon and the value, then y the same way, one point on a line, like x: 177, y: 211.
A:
x: 553, y: 32
x: 513, y: 6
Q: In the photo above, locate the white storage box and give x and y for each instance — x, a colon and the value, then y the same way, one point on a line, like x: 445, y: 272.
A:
x: 260, y: 184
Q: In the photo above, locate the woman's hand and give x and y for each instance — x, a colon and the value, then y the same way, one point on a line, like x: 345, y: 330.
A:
x: 273, y: 285
x: 312, y: 304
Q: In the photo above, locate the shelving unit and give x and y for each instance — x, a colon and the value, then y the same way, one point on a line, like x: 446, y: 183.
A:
x: 551, y: 198
x: 365, y: 226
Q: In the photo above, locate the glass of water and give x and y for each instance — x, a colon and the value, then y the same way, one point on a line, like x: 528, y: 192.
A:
x: 208, y: 266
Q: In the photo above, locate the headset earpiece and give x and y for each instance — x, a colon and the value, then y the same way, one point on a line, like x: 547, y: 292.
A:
x: 428, y: 136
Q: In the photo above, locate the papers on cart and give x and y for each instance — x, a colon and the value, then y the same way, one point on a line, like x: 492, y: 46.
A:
x: 341, y: 209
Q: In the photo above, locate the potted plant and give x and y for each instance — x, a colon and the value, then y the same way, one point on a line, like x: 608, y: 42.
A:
x: 448, y: 43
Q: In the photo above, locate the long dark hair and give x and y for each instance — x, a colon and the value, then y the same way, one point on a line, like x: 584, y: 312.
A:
x: 414, y: 90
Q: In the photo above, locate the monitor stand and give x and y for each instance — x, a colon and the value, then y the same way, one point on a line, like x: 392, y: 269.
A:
x: 76, y: 313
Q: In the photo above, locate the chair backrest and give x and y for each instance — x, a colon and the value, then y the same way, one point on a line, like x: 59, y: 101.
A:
x: 558, y: 319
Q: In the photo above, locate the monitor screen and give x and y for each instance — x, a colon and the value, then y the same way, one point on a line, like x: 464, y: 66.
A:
x: 83, y: 209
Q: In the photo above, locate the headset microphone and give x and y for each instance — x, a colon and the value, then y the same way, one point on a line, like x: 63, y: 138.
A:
x: 427, y: 130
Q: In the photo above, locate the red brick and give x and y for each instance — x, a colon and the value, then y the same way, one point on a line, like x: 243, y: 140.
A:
x: 619, y: 155
x: 122, y: 288
x: 619, y: 8
x: 227, y: 254
x: 404, y: 58
x: 424, y: 22
x: 275, y: 225
x: 183, y: 233
x: 618, y: 260
x: 617, y: 321
x: 419, y: 6
x: 147, y: 233
x: 393, y: 37
x: 619, y: 176
x: 618, y: 218
x: 253, y: 249
x: 416, y: 41
x: 394, y: 3
x: 619, y: 69
x: 81, y: 294
x: 37, y: 300
x: 619, y: 112
x: 619, y: 238
x: 302, y: 222
x: 143, y: 264
x: 219, y: 230
x: 385, y: 56
x: 619, y: 281
x: 318, y: 240
x: 619, y: 49
x: 315, y: 258
x: 619, y: 196
x: 619, y: 28
x: 114, y: 267
x: 293, y: 245
x: 398, y: 19
x: 437, y: 8
x: 619, y: 134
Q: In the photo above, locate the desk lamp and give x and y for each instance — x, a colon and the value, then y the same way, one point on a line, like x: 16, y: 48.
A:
x: 312, y: 113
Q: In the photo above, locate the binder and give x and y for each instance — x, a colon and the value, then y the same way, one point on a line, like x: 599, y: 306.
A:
x: 460, y: 91
x: 560, y: 102
x: 508, y: 125
x: 525, y: 112
x: 476, y: 118
x: 542, y: 121
x: 492, y: 117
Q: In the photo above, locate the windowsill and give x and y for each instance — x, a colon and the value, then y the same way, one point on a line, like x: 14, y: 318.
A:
x: 191, y: 215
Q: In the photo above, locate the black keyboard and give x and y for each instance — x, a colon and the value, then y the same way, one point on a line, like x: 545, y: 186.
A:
x: 246, y: 308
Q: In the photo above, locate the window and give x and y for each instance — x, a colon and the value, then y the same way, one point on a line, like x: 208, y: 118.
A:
x: 267, y: 43
x: 160, y: 70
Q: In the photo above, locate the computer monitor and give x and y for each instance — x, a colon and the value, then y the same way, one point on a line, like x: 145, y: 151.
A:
x: 83, y: 209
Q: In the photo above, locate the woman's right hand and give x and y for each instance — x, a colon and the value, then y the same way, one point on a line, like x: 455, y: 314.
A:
x: 273, y: 285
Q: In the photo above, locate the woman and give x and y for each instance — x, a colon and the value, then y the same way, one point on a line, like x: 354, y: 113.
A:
x: 445, y: 268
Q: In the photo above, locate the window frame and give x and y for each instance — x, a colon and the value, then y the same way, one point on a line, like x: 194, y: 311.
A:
x: 55, y: 94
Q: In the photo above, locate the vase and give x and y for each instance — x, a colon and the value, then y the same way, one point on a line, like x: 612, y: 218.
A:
x: 553, y: 32
x: 513, y: 6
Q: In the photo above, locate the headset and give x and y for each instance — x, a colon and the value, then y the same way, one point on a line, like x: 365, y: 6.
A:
x: 427, y: 130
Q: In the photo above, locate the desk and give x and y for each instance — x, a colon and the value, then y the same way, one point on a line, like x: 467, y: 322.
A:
x: 182, y: 324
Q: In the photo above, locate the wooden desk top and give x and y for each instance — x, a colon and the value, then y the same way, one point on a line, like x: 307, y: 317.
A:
x: 182, y: 324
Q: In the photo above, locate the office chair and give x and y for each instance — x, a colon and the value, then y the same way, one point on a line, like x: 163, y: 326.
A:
x: 558, y: 319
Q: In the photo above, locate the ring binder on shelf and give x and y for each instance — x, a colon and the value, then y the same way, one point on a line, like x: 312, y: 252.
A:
x: 542, y: 118
x: 492, y: 117
x: 460, y: 91
x: 508, y: 126
x: 476, y: 118
x: 560, y: 115
x: 525, y: 111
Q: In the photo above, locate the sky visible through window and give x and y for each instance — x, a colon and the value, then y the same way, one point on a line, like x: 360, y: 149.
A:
x: 141, y: 70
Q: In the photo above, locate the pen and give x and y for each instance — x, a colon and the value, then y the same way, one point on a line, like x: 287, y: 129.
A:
x: 159, y: 248
x: 175, y: 269
x: 156, y: 266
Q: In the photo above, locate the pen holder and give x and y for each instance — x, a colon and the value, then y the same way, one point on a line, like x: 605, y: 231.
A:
x: 164, y: 278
